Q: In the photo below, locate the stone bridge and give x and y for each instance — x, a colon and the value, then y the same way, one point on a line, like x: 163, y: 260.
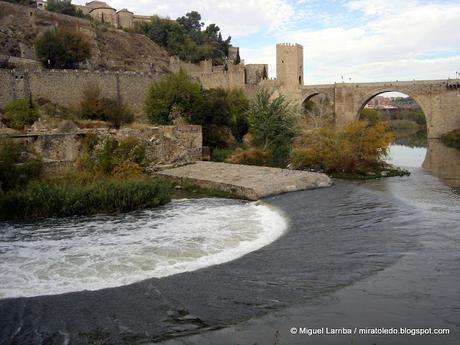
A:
x: 438, y: 99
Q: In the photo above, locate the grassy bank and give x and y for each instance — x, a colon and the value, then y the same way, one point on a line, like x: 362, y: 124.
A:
x: 43, y: 199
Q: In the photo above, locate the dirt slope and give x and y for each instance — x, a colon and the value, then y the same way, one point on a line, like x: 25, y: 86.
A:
x: 112, y: 49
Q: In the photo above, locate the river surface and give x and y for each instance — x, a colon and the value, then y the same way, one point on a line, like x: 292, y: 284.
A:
x: 75, y: 254
x: 374, y: 254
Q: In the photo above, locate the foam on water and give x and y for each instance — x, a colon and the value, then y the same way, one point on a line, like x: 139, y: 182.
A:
x: 75, y: 254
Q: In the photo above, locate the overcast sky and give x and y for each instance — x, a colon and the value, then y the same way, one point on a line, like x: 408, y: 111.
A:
x: 365, y: 40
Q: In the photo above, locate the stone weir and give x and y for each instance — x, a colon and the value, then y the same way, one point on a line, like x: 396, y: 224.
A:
x: 246, y: 181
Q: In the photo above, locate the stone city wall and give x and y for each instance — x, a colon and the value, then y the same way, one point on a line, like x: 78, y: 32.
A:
x: 65, y: 87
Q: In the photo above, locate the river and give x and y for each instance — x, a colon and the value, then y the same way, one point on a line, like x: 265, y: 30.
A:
x: 374, y: 254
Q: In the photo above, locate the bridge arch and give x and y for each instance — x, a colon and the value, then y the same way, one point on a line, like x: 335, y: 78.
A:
x: 318, y: 103
x: 363, y: 101
x: 318, y: 109
x: 368, y: 97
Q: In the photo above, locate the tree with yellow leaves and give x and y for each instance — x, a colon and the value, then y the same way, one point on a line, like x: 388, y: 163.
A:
x: 354, y: 148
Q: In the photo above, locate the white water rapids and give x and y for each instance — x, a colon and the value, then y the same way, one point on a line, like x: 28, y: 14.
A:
x: 75, y: 254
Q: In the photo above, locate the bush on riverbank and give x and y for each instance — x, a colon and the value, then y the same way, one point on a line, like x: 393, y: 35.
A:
x: 47, y: 199
x: 452, y: 139
x: 112, y: 157
x: 356, y: 148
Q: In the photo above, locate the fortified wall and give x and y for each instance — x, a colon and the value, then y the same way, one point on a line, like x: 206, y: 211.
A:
x: 227, y: 77
x: 65, y: 87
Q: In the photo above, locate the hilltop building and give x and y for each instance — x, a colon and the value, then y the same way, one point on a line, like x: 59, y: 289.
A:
x: 104, y: 13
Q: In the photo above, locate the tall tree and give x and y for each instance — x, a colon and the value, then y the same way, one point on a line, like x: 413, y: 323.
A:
x: 193, y: 24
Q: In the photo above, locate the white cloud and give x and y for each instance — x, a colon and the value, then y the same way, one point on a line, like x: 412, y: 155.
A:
x: 235, y: 18
x: 379, y: 7
x: 383, y: 39
x: 404, y: 42
x: 405, y: 69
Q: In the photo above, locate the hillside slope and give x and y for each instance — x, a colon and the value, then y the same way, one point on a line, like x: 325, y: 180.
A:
x: 112, y: 49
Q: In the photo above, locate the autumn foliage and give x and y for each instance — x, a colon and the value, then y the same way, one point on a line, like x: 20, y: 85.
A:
x: 354, y: 148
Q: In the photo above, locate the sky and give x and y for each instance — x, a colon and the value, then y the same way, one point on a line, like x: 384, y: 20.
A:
x: 357, y: 40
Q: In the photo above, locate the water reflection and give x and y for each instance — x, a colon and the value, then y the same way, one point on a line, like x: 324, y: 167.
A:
x: 443, y: 162
x: 407, y: 157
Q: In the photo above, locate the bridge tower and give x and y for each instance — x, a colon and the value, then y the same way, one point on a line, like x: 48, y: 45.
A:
x: 289, y: 64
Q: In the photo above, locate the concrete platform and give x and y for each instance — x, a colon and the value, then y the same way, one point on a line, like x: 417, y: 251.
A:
x: 246, y: 181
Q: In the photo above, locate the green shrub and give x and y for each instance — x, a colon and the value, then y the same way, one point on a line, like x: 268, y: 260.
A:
x: 15, y: 167
x: 272, y: 120
x: 20, y: 112
x: 222, y: 114
x: 44, y: 199
x: 279, y: 156
x: 107, y: 158
x: 95, y: 107
x: 174, y: 91
x: 62, y: 49
x: 220, y: 155
x: 452, y: 139
x: 117, y: 113
x: 90, y: 103
x: 370, y: 115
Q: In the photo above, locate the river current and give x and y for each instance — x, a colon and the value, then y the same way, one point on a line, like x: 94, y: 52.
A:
x: 74, y: 254
x: 380, y: 253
